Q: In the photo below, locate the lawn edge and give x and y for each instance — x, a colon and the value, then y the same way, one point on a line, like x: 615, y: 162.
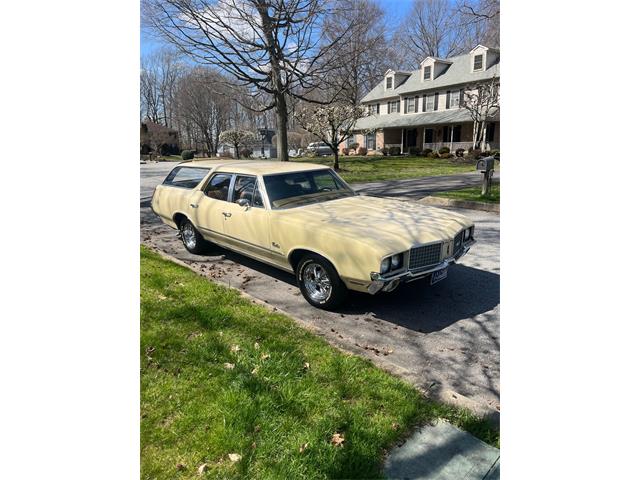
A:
x: 438, y: 394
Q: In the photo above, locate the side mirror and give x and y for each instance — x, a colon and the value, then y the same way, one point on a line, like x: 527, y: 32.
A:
x: 243, y: 202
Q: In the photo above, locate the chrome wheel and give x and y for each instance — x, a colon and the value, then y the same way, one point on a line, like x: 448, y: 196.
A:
x: 189, y: 236
x: 316, y: 282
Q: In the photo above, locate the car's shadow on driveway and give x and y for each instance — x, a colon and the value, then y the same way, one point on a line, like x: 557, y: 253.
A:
x: 465, y: 293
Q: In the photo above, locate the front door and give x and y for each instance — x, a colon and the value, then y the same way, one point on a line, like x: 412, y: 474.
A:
x: 247, y: 226
x: 210, y: 206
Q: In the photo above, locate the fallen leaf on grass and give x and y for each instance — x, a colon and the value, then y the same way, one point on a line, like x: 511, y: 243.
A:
x: 235, y: 457
x: 203, y: 468
x: 161, y: 297
x: 303, y: 447
x: 256, y: 346
x: 337, y: 440
x: 229, y: 366
x: 235, y: 348
x: 395, y: 425
x: 255, y: 371
x: 306, y: 366
x: 265, y: 356
x: 181, y: 466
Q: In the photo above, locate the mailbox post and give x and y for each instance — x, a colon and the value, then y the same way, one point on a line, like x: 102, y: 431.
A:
x: 485, y: 165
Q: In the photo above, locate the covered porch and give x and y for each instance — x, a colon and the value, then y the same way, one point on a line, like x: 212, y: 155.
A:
x: 453, y: 136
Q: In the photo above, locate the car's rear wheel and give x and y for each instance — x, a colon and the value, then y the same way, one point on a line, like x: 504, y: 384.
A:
x: 191, y: 238
x: 319, y: 282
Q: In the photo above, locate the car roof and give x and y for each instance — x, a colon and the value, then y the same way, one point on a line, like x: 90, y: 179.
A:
x: 255, y: 167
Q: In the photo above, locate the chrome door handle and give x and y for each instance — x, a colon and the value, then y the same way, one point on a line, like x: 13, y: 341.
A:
x: 194, y: 205
x: 226, y: 214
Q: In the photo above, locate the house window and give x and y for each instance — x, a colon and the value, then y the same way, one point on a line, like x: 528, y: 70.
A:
x: 371, y: 141
x: 455, y: 99
x: 427, y: 73
x: 411, y: 104
x: 389, y: 82
x: 350, y: 140
x: 394, y: 106
x: 430, y: 103
x: 477, y: 62
x: 377, y: 108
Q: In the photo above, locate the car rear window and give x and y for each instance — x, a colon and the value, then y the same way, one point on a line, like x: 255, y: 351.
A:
x: 185, y: 177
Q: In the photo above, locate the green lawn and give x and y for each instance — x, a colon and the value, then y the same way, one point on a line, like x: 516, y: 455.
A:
x: 374, y: 168
x: 473, y: 194
x: 281, y: 403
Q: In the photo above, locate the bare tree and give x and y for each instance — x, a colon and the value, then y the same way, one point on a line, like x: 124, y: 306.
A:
x: 202, y: 107
x: 431, y: 28
x: 273, y: 47
x: 482, y: 19
x: 364, y: 54
x: 482, y: 101
x: 159, y: 74
x: 331, y: 124
x: 149, y: 94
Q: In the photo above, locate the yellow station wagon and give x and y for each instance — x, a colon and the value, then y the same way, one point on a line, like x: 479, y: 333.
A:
x: 303, y: 218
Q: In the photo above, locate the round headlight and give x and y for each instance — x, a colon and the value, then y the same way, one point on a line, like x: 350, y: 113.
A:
x: 467, y: 234
x: 395, y: 261
x: 384, y: 267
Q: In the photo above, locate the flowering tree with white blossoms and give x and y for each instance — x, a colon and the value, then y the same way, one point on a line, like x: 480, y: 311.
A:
x: 238, y: 138
x: 331, y: 124
x: 482, y: 101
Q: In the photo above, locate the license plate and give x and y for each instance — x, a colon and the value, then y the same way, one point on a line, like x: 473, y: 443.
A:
x: 438, y: 275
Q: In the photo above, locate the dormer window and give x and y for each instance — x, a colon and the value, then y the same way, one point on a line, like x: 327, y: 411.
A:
x: 389, y: 83
x: 426, y: 73
x: 477, y: 62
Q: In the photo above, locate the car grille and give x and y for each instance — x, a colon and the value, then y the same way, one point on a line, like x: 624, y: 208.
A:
x: 427, y: 255
x: 457, y: 243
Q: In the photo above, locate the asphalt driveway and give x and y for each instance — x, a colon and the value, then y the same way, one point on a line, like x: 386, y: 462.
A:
x: 444, y: 339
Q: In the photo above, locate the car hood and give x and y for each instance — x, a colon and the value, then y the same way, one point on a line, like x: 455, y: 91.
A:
x: 391, y: 225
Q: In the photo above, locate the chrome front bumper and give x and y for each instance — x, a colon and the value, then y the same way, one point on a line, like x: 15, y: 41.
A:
x: 387, y: 283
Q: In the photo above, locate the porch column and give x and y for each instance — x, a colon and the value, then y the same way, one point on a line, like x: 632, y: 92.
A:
x: 451, y: 141
x: 402, y: 142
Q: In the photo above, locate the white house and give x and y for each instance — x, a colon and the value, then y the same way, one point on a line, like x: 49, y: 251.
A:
x: 421, y: 108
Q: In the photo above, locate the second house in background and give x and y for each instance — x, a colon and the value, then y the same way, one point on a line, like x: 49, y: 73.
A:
x: 423, y: 108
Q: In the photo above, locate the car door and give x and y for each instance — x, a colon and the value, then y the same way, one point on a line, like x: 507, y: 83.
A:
x: 210, y: 205
x: 246, y: 219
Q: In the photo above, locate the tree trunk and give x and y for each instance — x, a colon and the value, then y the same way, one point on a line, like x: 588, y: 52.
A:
x: 336, y: 160
x: 484, y: 136
x: 281, y: 128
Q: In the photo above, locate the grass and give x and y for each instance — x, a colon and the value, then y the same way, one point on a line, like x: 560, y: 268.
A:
x: 196, y: 411
x: 473, y: 194
x: 376, y: 168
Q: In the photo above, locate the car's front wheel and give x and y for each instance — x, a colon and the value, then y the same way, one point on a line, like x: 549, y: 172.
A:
x: 191, y: 238
x: 319, y: 282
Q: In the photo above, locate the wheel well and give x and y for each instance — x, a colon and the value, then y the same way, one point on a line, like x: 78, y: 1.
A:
x: 178, y: 219
x: 296, y: 255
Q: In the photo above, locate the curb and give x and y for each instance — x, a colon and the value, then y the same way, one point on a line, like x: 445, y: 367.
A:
x: 451, y: 202
x: 439, y: 394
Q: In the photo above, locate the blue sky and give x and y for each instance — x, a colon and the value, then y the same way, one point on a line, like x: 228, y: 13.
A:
x: 395, y: 10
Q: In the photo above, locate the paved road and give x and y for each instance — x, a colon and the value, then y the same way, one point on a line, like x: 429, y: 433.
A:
x: 445, y: 339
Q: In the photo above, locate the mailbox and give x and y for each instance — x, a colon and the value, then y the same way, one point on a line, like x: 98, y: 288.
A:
x: 485, y: 164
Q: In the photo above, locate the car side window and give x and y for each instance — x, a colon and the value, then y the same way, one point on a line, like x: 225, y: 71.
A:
x: 257, y: 198
x: 185, y: 177
x: 243, y: 189
x: 218, y: 186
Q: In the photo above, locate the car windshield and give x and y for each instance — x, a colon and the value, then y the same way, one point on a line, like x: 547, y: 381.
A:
x: 300, y: 188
